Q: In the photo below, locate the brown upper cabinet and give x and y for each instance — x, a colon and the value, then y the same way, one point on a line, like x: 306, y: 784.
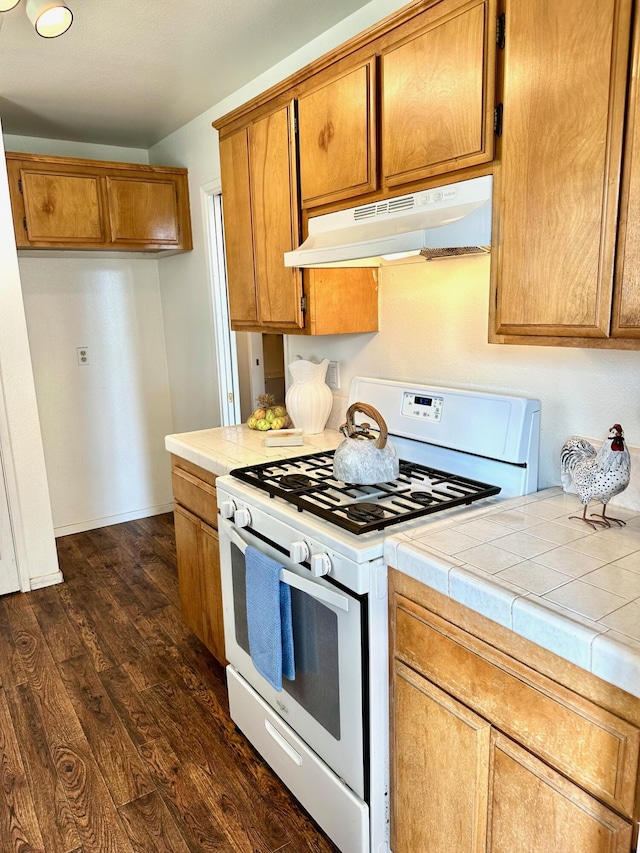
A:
x: 337, y: 137
x: 557, y: 275
x: 66, y: 203
x: 261, y: 223
x: 438, y: 93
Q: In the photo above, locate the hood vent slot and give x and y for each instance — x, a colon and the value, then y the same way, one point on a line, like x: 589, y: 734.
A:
x: 393, y: 205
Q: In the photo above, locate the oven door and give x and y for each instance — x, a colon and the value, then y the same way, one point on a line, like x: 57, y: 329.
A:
x: 324, y: 703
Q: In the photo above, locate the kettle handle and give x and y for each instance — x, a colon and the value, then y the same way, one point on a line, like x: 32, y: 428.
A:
x: 368, y: 410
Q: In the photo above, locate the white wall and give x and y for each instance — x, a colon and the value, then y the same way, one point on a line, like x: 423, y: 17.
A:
x: 433, y: 329
x: 103, y: 424
x: 64, y: 148
x: 22, y: 446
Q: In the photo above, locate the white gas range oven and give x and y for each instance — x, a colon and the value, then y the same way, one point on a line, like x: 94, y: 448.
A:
x: 325, y: 733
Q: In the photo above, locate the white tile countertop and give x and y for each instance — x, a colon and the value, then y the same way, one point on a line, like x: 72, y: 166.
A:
x: 527, y: 565
x: 221, y: 449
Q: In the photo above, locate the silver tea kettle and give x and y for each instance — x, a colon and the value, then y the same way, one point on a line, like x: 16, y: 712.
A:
x: 362, y: 458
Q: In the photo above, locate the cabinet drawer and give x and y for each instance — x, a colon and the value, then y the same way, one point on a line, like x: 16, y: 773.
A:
x: 593, y: 747
x: 195, y: 495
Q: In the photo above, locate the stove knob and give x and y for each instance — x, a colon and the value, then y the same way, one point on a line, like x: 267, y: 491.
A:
x: 299, y: 551
x: 227, y: 508
x: 242, y: 517
x: 320, y: 565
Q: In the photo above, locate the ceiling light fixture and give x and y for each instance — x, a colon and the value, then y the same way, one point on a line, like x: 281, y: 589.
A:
x: 50, y: 18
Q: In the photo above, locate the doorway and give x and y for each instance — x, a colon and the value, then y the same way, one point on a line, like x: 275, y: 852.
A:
x: 273, y: 353
x: 248, y: 364
x: 260, y: 369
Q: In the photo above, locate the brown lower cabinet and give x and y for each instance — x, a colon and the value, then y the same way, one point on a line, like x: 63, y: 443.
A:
x: 195, y: 514
x: 498, y: 746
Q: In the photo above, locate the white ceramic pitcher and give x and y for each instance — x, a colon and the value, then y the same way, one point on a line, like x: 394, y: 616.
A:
x: 309, y: 399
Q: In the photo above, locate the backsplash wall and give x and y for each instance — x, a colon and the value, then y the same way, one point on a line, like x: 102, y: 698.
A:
x: 433, y: 330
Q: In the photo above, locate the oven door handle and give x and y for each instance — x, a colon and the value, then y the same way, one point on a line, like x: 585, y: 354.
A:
x: 315, y: 590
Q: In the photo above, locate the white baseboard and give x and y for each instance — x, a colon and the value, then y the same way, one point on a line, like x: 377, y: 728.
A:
x: 45, y: 580
x: 93, y: 523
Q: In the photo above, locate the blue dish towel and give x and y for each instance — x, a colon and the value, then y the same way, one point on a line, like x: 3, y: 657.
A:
x: 269, y: 618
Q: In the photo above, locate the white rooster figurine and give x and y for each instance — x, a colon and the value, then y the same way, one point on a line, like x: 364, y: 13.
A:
x: 597, y: 476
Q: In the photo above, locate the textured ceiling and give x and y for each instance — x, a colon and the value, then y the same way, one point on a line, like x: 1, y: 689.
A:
x: 129, y: 72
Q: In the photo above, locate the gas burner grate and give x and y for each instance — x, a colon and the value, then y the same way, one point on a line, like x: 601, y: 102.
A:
x: 307, y: 482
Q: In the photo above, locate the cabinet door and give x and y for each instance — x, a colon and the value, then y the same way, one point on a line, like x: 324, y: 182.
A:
x: 62, y: 207
x: 187, y: 529
x: 337, y: 138
x: 440, y: 755
x: 213, y: 626
x: 438, y: 93
x: 626, y: 305
x: 275, y: 218
x: 238, y: 239
x: 557, y: 194
x: 143, y: 211
x: 533, y: 808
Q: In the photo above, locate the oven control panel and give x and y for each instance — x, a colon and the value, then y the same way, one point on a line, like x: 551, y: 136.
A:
x: 425, y: 408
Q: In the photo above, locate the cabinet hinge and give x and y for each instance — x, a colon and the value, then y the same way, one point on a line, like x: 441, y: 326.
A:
x: 24, y: 222
x: 20, y: 186
x: 303, y: 303
x: 295, y: 123
x: 500, y: 29
x: 497, y: 120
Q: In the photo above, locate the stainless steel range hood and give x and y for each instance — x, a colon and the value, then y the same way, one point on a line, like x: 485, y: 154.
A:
x: 449, y: 220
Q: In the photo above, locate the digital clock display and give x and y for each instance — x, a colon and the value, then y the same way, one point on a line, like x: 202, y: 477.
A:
x: 423, y: 401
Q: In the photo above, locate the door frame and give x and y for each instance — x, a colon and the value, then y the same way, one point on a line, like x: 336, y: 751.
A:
x: 224, y: 338
x: 8, y: 546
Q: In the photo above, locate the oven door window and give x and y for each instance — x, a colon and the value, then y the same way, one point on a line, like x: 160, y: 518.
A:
x: 316, y: 686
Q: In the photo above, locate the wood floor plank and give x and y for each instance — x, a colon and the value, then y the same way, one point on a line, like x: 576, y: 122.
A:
x: 54, y: 816
x: 164, y: 577
x: 118, y: 634
x: 59, y: 718
x: 59, y: 632
x: 96, y: 818
x: 19, y: 828
x: 72, y: 595
x: 11, y: 669
x: 122, y: 770
x: 72, y: 560
x: 258, y: 779
x: 131, y: 709
x: 200, y: 749
x: 180, y: 666
x: 160, y: 533
x: 136, y: 545
x: 150, y: 826
x: 191, y: 814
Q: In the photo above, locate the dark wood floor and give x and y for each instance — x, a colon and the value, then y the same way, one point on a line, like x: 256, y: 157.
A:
x: 114, y: 728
